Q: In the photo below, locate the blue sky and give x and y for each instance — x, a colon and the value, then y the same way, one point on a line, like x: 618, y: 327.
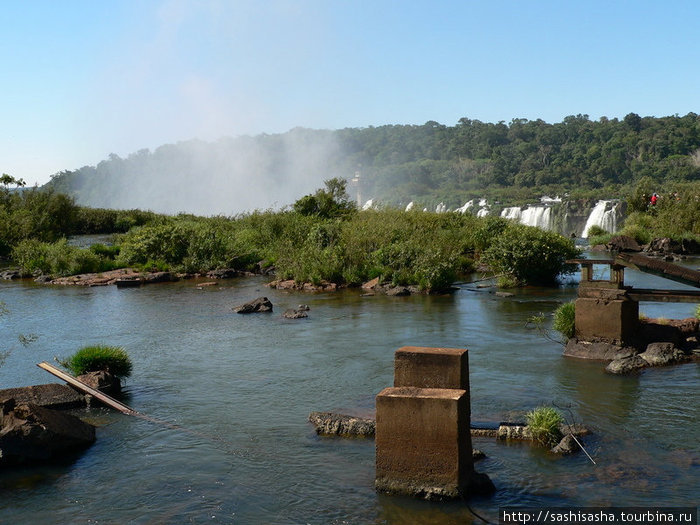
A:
x: 83, y: 79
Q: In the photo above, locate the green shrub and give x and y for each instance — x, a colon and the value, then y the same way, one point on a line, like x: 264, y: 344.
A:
x: 565, y: 319
x: 531, y: 255
x: 697, y: 311
x: 595, y: 231
x: 113, y: 359
x: 544, y: 423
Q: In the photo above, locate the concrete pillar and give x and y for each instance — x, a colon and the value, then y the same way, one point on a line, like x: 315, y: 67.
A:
x: 423, y: 441
x: 604, y: 318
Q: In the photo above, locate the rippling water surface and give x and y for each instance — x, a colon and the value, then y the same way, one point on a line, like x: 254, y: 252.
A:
x: 241, y: 388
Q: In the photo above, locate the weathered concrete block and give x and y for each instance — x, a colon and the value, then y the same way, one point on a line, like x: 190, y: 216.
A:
x: 423, y: 442
x: 424, y: 367
x: 615, y: 320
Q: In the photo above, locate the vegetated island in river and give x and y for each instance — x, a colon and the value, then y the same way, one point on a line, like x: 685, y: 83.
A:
x: 321, y: 242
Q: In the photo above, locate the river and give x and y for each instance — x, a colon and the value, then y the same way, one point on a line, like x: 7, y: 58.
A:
x: 240, y: 388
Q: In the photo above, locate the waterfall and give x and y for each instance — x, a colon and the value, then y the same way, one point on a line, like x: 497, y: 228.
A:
x: 513, y: 213
x: 467, y: 205
x: 483, y: 212
x: 409, y: 206
x: 539, y: 216
x: 367, y: 205
x: 604, y: 214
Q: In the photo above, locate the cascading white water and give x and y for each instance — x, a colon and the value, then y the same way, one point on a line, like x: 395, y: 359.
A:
x: 539, y: 216
x: 467, y: 205
x: 483, y: 212
x: 409, y: 206
x: 513, y: 213
x: 604, y: 215
x: 367, y: 205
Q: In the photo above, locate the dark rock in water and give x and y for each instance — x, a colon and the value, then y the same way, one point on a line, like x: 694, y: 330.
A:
x: 624, y: 243
x: 303, y: 308
x: 477, y: 454
x: 658, y: 354
x: 566, y: 446
x: 43, y: 279
x: 295, y: 314
x: 626, y: 365
x: 30, y: 433
x: 330, y: 424
x: 102, y: 381
x: 223, y: 273
x: 600, y: 350
x: 261, y: 304
x: 504, y: 294
x: 52, y: 395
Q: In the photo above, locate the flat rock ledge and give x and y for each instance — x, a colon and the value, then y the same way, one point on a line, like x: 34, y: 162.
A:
x: 53, y: 395
x: 30, y: 433
x: 597, y: 350
x: 112, y: 277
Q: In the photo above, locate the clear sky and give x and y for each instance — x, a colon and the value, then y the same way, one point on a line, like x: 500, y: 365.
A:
x: 85, y: 78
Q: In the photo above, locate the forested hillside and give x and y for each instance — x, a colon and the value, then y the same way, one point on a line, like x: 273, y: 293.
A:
x: 399, y: 163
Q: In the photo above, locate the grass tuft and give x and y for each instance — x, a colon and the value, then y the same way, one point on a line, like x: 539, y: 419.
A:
x: 113, y: 359
x: 544, y: 425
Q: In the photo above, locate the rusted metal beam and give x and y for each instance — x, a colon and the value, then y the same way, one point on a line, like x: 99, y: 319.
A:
x: 107, y: 400
x: 661, y: 268
x: 664, y: 296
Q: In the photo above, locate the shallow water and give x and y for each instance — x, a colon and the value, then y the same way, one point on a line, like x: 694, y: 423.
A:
x: 241, y: 387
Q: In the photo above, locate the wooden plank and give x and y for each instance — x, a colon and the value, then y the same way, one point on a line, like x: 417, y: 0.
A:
x: 107, y: 400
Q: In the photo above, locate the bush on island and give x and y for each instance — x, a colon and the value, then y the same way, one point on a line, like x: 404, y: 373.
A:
x: 565, y: 319
x: 112, y: 359
x: 531, y: 255
x: 544, y: 423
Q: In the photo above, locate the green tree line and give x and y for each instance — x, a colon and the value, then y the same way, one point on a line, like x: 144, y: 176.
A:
x: 434, y: 162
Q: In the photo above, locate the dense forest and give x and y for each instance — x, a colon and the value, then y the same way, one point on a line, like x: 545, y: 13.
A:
x: 396, y: 164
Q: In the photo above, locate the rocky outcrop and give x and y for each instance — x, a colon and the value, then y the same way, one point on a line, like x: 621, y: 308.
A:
x: 666, y: 246
x: 375, y: 286
x: 656, y: 354
x: 261, y: 304
x: 330, y: 424
x: 30, y: 433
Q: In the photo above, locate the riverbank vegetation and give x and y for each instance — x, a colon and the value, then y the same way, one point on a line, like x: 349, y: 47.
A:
x: 322, y: 238
x: 544, y: 423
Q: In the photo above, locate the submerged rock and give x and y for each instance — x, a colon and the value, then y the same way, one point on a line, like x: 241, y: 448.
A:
x: 261, y: 304
x: 599, y: 350
x: 30, y: 433
x: 295, y: 313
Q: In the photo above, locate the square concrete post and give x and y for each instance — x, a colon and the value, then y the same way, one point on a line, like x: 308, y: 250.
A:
x: 612, y: 320
x: 426, y: 367
x: 423, y: 437
x: 423, y: 442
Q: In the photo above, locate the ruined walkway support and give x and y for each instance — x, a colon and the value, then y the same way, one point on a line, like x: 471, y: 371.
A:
x: 423, y: 440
